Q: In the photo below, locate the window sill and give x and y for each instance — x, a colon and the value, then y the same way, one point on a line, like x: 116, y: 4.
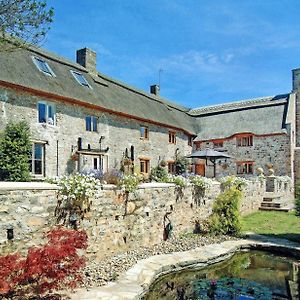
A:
x: 47, y: 125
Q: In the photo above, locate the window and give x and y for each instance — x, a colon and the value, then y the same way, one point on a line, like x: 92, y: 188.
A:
x: 244, y: 141
x: 46, y: 113
x: 144, y: 166
x: 244, y: 167
x: 144, y: 132
x: 37, y: 159
x: 171, y: 167
x: 91, y: 123
x: 218, y: 144
x: 172, y: 137
x: 42, y: 66
x: 80, y: 79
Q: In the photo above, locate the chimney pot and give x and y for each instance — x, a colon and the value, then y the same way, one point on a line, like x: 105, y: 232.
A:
x: 154, y: 89
x: 87, y: 58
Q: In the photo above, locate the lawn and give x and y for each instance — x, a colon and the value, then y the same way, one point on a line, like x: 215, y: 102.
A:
x: 273, y: 223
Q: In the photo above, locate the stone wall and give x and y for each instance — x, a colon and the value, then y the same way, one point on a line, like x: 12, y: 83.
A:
x: 272, y: 149
x: 59, y: 139
x: 29, y: 208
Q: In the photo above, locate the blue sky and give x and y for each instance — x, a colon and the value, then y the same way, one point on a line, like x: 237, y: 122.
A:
x: 209, y: 52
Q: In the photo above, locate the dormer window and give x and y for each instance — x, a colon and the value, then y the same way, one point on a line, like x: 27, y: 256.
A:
x: 80, y: 79
x: 43, y: 66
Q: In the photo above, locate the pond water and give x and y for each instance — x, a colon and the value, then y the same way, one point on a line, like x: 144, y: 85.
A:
x: 247, y: 275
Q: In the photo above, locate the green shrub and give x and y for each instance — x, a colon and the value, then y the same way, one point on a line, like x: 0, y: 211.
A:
x: 225, y: 218
x: 297, y: 201
x: 181, y: 164
x: 15, y: 152
x: 159, y: 174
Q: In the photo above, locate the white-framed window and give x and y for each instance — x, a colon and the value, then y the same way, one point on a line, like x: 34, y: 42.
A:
x: 37, y: 160
x: 43, y: 66
x: 80, y: 78
x: 91, y: 123
x: 46, y: 113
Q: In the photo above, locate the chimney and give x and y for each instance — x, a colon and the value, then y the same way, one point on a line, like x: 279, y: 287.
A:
x: 154, y: 89
x: 296, y: 80
x: 87, y: 58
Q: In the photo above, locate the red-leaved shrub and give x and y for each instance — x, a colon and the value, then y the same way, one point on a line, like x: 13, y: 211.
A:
x: 50, y: 267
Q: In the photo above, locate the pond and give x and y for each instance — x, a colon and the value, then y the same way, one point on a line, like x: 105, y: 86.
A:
x: 246, y: 275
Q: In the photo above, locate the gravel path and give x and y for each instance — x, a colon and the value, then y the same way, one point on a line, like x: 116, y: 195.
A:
x: 99, y: 273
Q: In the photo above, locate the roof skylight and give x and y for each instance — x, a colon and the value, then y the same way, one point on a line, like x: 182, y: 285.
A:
x: 42, y: 66
x: 80, y: 78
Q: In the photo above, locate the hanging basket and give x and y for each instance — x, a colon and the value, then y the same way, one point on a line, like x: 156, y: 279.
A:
x: 75, y: 156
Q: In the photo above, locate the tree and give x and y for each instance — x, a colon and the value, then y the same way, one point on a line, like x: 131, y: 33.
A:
x: 23, y: 22
x: 15, y: 152
x: 53, y: 266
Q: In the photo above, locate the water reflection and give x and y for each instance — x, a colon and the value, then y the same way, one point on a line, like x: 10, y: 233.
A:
x: 253, y: 274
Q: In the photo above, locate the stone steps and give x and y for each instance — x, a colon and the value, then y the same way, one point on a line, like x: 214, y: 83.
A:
x: 284, y: 209
x: 273, y: 201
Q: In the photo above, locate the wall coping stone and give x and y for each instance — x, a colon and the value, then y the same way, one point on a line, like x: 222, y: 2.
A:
x: 135, y: 283
x: 32, y: 185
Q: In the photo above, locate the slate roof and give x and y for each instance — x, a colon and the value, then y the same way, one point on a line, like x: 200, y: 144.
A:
x: 259, y: 116
x: 17, y: 67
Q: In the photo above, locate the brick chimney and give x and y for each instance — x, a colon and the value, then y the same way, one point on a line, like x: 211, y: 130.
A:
x: 87, y: 58
x: 154, y: 89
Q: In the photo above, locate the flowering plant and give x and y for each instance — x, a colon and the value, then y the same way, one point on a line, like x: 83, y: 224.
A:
x: 75, y: 193
x: 233, y: 181
x: 178, y: 180
x: 201, y: 182
x: 129, y: 183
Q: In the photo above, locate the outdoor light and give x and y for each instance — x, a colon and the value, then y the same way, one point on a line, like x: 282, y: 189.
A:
x: 10, y: 233
x: 73, y: 220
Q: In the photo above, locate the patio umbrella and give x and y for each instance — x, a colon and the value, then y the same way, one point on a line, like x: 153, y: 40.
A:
x: 210, y: 154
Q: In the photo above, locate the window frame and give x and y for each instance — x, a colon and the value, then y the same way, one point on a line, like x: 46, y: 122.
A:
x: 36, y: 61
x: 144, y: 132
x: 171, y: 167
x: 172, y: 137
x: 84, y: 83
x: 218, y: 144
x: 146, y: 164
x: 33, y: 159
x: 247, y: 168
x: 244, y: 140
x: 93, y: 122
x: 47, y: 105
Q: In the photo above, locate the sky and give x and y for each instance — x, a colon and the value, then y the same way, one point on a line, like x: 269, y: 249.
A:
x: 202, y: 52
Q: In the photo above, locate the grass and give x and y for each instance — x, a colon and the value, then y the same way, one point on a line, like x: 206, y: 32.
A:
x: 273, y: 223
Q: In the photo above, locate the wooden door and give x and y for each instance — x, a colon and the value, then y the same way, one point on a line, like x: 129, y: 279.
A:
x: 200, y: 169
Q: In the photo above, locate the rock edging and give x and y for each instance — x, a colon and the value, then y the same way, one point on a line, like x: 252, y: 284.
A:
x: 135, y: 283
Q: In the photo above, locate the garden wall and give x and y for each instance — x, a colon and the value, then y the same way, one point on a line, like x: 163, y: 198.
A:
x: 29, y: 209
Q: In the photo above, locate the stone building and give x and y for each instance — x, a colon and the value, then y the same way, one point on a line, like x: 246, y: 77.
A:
x: 81, y: 119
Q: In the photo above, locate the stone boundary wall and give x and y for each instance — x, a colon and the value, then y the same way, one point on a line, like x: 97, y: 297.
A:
x: 29, y: 208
